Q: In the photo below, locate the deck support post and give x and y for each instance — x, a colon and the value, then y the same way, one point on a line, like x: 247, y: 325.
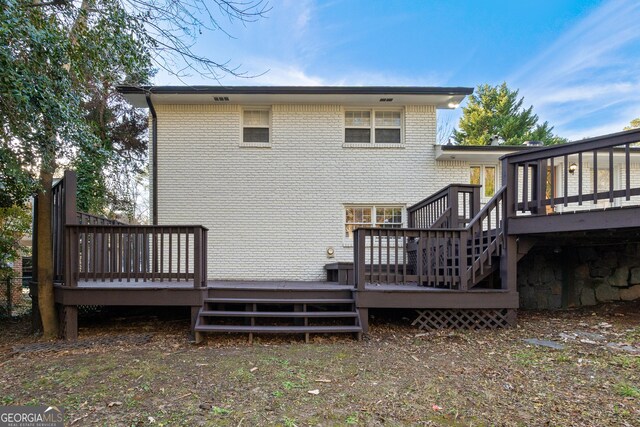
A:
x: 363, y: 314
x: 509, y: 258
x: 194, y: 336
x: 69, y: 320
x: 509, y: 264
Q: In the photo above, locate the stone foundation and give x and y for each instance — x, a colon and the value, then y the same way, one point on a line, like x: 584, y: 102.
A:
x: 551, y: 278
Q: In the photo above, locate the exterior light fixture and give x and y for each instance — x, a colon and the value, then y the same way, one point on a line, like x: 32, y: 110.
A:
x: 453, y: 105
x: 572, y: 168
x: 331, y: 252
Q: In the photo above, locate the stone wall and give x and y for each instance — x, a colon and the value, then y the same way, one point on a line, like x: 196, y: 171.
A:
x: 551, y: 278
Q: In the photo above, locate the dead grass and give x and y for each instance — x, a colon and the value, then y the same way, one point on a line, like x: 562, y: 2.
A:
x: 396, y: 376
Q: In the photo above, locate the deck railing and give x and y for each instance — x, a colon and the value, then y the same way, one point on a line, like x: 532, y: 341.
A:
x: 136, y: 253
x: 451, y: 207
x: 592, y: 173
x: 63, y: 199
x: 443, y: 258
x: 85, y: 218
x: 403, y: 256
x: 92, y: 248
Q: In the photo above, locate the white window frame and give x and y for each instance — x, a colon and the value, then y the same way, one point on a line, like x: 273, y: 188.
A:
x: 260, y: 144
x: 372, y: 127
x: 348, y: 241
x: 482, y: 167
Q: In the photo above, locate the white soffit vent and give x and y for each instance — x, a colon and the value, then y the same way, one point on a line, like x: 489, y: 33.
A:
x: 386, y: 99
x: 221, y: 99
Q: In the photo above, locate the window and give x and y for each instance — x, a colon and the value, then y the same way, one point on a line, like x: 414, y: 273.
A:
x: 485, y: 176
x: 384, y: 126
x: 255, y: 126
x: 371, y: 216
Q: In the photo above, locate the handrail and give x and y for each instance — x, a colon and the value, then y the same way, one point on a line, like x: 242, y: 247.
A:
x: 486, y: 239
x: 96, y: 219
x: 487, y: 206
x: 574, y: 147
x: 440, y: 193
x: 448, y: 207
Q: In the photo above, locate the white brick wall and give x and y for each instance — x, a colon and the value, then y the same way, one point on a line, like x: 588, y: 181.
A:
x: 272, y: 212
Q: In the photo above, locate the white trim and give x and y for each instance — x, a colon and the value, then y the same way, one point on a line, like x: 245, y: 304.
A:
x: 261, y: 144
x: 483, y: 197
x: 371, y: 145
x: 348, y: 242
x: 372, y: 128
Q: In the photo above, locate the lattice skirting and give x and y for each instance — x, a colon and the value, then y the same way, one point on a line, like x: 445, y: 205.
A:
x: 464, y: 319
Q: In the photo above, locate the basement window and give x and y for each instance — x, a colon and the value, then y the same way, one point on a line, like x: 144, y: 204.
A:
x: 255, y: 126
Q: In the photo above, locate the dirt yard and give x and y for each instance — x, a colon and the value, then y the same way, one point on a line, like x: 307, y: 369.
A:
x: 151, y: 375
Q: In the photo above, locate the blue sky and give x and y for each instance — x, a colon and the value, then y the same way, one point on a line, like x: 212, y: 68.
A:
x: 576, y: 61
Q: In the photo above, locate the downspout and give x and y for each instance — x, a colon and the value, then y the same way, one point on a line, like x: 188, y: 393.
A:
x: 154, y: 161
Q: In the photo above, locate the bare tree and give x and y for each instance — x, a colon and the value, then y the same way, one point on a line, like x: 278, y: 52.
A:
x: 445, y: 126
x: 172, y: 29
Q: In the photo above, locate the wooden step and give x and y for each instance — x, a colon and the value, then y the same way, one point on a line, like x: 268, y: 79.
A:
x: 211, y: 313
x: 315, y: 301
x: 278, y: 329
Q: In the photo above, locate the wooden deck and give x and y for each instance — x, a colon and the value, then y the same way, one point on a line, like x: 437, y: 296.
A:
x: 454, y: 255
x: 213, y: 284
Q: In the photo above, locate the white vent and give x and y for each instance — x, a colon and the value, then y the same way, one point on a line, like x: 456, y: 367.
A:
x: 386, y: 99
x: 221, y: 98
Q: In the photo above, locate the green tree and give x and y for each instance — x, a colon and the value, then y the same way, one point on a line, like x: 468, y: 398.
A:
x: 54, y: 53
x: 119, y: 157
x: 498, y: 111
x: 15, y: 214
x: 48, y: 52
x: 633, y: 124
x: 15, y: 223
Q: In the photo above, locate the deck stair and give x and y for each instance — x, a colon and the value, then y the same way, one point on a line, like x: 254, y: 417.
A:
x: 278, y: 309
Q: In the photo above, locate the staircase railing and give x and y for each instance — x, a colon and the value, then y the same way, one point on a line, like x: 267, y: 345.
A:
x: 451, y: 207
x: 485, y: 234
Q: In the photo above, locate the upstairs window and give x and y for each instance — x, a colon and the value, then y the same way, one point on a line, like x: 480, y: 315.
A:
x: 377, y: 127
x: 255, y: 126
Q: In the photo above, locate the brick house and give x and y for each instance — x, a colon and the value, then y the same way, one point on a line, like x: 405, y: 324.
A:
x: 285, y: 173
x: 310, y: 205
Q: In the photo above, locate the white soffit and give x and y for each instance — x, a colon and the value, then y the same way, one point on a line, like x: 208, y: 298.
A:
x: 442, y: 101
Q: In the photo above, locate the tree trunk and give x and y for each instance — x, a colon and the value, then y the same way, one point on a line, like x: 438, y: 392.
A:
x: 46, y: 301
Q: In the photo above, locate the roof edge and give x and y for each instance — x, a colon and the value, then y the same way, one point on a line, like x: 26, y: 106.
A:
x: 296, y: 90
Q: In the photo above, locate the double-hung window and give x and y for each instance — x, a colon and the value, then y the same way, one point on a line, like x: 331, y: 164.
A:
x: 485, y: 176
x: 371, y: 216
x: 255, y: 126
x: 373, y: 127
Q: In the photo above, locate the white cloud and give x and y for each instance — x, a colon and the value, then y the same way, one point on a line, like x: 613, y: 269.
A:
x: 589, y: 73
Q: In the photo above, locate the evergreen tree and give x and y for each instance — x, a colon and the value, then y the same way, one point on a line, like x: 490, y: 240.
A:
x: 498, y: 111
x: 633, y: 124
